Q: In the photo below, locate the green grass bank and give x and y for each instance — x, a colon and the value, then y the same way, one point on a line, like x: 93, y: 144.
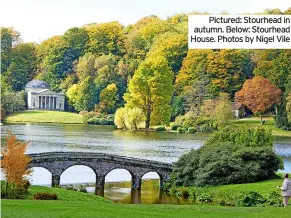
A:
x: 73, y: 204
x: 40, y: 116
x: 269, y: 123
x: 85, y: 209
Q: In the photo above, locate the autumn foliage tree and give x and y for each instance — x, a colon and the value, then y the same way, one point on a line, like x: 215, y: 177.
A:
x: 14, y: 162
x: 151, y: 90
x: 259, y: 95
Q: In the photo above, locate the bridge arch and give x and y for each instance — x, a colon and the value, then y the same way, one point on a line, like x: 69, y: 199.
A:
x: 43, y: 180
x: 91, y: 174
x: 118, y: 168
x: 40, y: 167
x: 159, y: 176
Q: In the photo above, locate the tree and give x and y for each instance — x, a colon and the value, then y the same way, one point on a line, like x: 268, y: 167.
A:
x: 219, y: 109
x: 172, y: 46
x: 274, y: 65
x: 108, y: 98
x: 105, y: 38
x: 282, y: 121
x: 22, y: 66
x: 85, y: 66
x: 105, y: 71
x: 288, y: 107
x: 151, y: 90
x: 120, y: 118
x: 134, y: 118
x: 258, y: 94
x: 192, y: 81
x: 223, y: 110
x: 227, y: 70
x: 14, y: 162
x: 53, y: 62
x: 76, y: 40
x: 13, y: 101
x: 72, y: 94
x: 86, y: 95
x: 9, y: 38
x: 129, y: 118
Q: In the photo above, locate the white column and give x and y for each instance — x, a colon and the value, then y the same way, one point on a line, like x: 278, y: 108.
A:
x: 53, y: 102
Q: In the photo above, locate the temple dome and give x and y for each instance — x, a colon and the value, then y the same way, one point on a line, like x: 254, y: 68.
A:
x: 37, y: 84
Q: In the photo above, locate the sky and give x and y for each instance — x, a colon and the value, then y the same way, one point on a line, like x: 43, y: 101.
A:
x: 37, y: 20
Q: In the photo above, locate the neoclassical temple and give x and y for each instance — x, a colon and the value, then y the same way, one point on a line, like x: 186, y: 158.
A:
x: 39, y: 96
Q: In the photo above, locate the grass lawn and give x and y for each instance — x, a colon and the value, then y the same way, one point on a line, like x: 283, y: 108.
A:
x: 264, y: 187
x: 40, y: 116
x: 269, y: 123
x: 73, y: 204
x: 84, y: 209
x: 66, y: 195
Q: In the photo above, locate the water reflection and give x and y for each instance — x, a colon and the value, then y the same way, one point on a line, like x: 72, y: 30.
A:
x: 132, y: 196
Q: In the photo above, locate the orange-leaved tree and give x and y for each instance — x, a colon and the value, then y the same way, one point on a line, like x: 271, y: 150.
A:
x: 258, y: 94
x: 14, y: 161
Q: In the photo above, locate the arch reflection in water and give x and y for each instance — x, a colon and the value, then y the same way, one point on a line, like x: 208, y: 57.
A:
x: 119, y: 188
x: 118, y: 183
x: 150, y: 189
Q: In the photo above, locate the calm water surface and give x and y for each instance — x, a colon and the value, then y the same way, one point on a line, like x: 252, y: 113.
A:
x: 165, y: 147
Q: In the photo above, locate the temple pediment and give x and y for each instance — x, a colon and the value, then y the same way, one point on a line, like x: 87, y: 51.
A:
x: 47, y: 92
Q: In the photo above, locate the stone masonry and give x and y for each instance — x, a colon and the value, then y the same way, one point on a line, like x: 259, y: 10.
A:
x: 101, y: 164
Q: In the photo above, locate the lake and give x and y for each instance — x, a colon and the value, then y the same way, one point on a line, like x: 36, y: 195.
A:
x: 159, y: 146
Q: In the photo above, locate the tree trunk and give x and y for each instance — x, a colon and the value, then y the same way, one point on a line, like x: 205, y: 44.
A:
x: 148, y: 119
x: 6, y: 189
x: 261, y: 119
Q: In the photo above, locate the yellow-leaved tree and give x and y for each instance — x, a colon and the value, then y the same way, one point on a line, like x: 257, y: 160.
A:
x: 15, y: 162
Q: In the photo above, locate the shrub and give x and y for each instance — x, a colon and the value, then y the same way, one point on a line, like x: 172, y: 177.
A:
x: 274, y: 199
x: 88, y: 116
x: 183, y: 192
x: 251, y: 199
x: 180, y: 120
x: 227, y: 162
x: 203, y: 120
x: 13, y: 101
x: 101, y: 119
x: 82, y: 188
x: 250, y: 136
x: 205, y: 198
x: 181, y: 130
x: 174, y: 126
x: 13, y: 191
x: 225, y: 199
x: 206, y: 128
x: 190, y: 120
x: 160, y: 128
x: 192, y: 130
x: 45, y: 196
x: 69, y: 188
x: 83, y: 112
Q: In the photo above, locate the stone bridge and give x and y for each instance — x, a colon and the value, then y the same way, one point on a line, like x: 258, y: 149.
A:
x: 101, y: 164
